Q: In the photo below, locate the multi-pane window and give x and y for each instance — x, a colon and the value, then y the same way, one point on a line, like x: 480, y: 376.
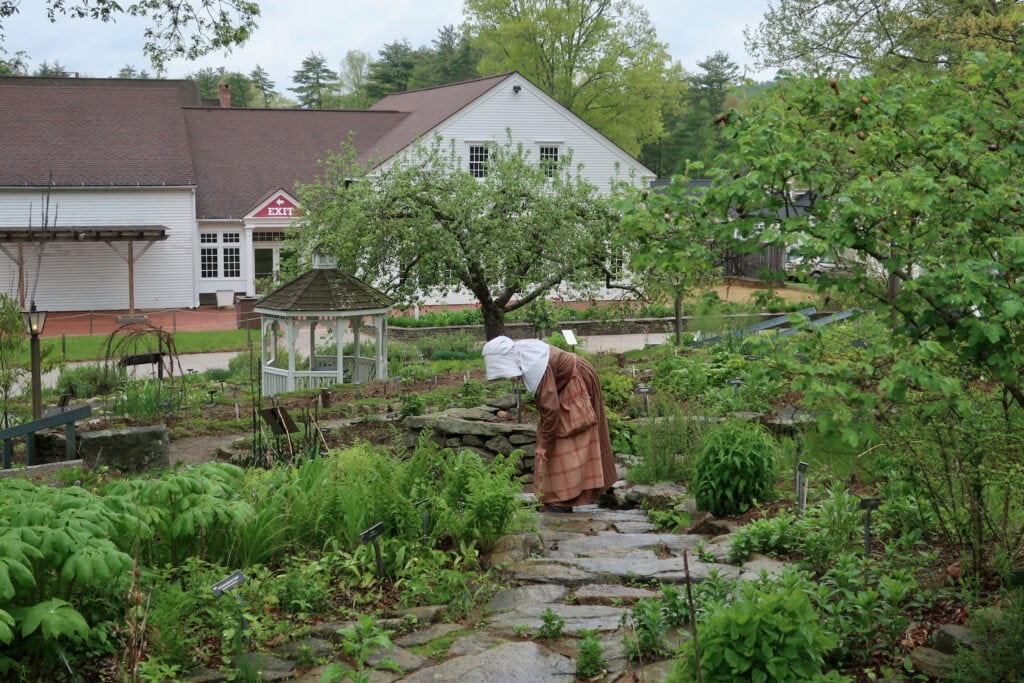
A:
x: 268, y: 237
x: 549, y: 159
x: 478, y: 155
x: 217, y: 261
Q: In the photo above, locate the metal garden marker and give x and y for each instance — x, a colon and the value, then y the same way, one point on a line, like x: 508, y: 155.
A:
x: 371, y: 535
x: 867, y: 505
x: 229, y: 583
x: 735, y: 382
x: 801, y: 487
x: 646, y: 393
x: 518, y: 392
x: 424, y: 506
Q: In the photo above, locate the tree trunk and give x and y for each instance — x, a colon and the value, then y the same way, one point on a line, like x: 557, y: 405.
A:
x: 494, y: 321
x: 678, y: 303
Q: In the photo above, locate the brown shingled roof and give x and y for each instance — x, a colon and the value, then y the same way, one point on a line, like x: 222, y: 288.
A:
x: 104, y: 134
x: 240, y: 153
x: 428, y: 108
x: 324, y: 290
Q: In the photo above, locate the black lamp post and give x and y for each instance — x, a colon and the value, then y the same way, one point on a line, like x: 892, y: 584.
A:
x: 34, y: 321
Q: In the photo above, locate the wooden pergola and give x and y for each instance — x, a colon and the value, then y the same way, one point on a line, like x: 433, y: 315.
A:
x: 322, y: 297
x: 108, y: 234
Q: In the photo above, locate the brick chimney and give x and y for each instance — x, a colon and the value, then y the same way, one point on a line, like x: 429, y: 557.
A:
x: 225, y: 95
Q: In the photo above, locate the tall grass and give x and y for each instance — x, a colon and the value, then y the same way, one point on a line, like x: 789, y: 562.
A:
x: 664, y: 447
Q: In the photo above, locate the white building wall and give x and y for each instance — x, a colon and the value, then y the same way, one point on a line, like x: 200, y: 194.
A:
x: 83, y: 276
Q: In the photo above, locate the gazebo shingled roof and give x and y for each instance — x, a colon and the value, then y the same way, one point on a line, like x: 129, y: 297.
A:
x: 322, y: 290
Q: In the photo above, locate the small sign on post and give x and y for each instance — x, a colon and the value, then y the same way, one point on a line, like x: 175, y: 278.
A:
x: 801, y: 493
x: 570, y: 338
x: 867, y: 505
x: 646, y: 392
x: 228, y: 583
x: 370, y: 536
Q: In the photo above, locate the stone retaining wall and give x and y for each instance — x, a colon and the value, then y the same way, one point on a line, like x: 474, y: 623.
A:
x: 477, y: 430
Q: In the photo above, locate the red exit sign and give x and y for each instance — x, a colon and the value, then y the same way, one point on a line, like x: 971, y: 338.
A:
x: 279, y: 207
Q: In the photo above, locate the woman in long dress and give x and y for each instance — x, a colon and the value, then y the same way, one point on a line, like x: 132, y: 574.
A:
x: 574, y: 463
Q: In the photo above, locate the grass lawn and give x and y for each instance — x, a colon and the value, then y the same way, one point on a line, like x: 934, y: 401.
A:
x: 91, y: 347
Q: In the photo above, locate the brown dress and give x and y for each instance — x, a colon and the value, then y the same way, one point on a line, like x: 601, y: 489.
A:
x: 577, y: 469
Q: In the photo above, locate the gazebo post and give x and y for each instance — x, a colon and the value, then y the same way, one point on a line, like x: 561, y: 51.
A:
x: 340, y: 367
x: 379, y: 321
x: 355, y: 349
x: 312, y: 344
x: 291, y: 354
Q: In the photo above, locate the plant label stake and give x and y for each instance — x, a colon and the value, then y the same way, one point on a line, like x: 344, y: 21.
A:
x: 735, y: 382
x: 229, y: 583
x: 646, y: 393
x: 518, y: 392
x: 867, y: 505
x: 424, y: 506
x: 801, y: 495
x: 371, y: 535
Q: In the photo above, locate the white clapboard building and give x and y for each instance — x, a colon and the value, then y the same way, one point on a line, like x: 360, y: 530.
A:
x: 136, y: 194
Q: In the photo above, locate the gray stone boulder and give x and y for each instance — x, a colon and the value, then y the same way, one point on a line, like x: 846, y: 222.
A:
x: 932, y: 663
x: 135, y: 449
x: 949, y: 638
x: 509, y: 663
x: 661, y: 496
x: 513, y: 549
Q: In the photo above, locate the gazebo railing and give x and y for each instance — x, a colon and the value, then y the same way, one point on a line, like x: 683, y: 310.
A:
x: 275, y: 380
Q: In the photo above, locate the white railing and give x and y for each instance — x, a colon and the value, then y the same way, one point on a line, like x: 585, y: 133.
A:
x: 275, y: 380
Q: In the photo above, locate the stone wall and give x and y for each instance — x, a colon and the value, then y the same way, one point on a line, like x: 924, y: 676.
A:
x: 478, y: 430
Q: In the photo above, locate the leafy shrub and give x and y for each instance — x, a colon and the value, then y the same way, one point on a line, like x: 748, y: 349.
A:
x: 472, y: 394
x: 645, y: 630
x: 617, y: 389
x: 412, y: 404
x: 551, y: 627
x: 590, y: 660
x: 245, y: 366
x: 621, y: 433
x: 661, y: 448
x: 85, y: 381
x: 778, y: 535
x: 735, y: 467
x: 769, y: 632
x: 558, y: 341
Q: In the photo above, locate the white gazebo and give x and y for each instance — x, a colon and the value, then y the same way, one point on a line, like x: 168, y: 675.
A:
x: 327, y: 298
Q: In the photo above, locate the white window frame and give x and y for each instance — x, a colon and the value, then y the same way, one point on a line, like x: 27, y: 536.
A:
x: 477, y: 167
x: 225, y: 247
x: 544, y: 158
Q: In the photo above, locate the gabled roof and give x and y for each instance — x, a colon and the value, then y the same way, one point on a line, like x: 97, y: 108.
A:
x: 239, y: 153
x: 325, y: 290
x: 98, y: 133
x: 428, y: 108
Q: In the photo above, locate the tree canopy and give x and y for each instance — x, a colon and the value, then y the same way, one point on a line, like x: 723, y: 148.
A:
x: 177, y: 28
x: 601, y: 59
x: 916, y: 186
x: 315, y: 82
x: 423, y: 224
x: 871, y: 36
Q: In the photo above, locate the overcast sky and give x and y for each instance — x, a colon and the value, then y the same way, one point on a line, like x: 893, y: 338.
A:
x: 290, y: 29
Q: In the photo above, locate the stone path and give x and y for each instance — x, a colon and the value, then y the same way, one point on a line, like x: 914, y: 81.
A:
x: 588, y: 567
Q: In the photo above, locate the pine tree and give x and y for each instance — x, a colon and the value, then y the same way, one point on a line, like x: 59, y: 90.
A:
x: 261, y: 81
x: 315, y: 81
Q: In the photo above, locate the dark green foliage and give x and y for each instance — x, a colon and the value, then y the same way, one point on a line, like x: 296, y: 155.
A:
x: 735, y: 467
x: 767, y: 633
x: 86, y: 381
x: 412, y: 404
x: 245, y: 366
x: 616, y: 388
x: 590, y: 660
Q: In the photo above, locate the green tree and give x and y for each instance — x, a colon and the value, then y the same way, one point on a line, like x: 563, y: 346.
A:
x: 423, y: 224
x: 177, y: 28
x: 48, y: 70
x: 315, y: 81
x: 670, y: 243
x: 207, y: 81
x: 15, y: 65
x: 866, y: 36
x: 601, y: 59
x: 129, y: 71
x: 262, y: 83
x: 393, y: 70
x: 12, y: 353
x: 243, y: 92
x: 352, y: 77
x: 916, y: 186
x: 450, y: 59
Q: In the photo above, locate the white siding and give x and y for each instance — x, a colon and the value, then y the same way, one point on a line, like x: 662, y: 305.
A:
x: 83, y: 276
x: 534, y: 119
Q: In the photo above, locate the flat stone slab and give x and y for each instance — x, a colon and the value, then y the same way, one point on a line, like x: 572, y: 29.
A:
x: 634, y: 527
x: 610, y: 544
x: 558, y: 571
x: 577, y: 617
x: 564, y: 523
x: 269, y: 668
x: 538, y: 594
x: 427, y: 614
x: 509, y: 663
x: 426, y: 635
x: 611, y: 594
x: 318, y: 647
x: 406, y: 661
x: 666, y: 571
x: 752, y: 570
x: 475, y: 643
